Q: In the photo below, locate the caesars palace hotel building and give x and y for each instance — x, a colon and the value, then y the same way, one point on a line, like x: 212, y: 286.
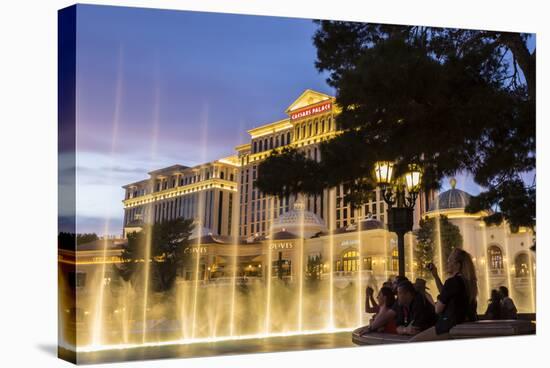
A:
x: 218, y: 193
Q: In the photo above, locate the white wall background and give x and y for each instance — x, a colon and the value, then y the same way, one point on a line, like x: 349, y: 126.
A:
x: 28, y: 185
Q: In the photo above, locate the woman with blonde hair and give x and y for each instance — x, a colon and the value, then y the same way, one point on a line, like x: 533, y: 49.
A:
x: 457, y: 299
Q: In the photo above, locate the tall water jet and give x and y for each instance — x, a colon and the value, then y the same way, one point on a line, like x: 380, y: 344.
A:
x: 386, y: 254
x: 331, y: 272
x: 441, y: 260
x: 411, y: 255
x: 196, y: 275
x: 267, y: 273
x: 200, y: 214
x: 506, y: 261
x: 146, y: 270
x: 484, y: 262
x: 150, y: 220
x: 532, y: 274
x: 98, y: 325
x: 301, y: 268
x: 97, y: 329
x: 234, y: 266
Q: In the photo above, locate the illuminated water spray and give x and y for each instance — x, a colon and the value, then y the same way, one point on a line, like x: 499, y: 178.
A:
x: 532, y: 274
x: 506, y: 261
x: 98, y: 324
x: 150, y: 220
x: 359, y: 274
x: 267, y: 273
x: 483, y: 261
x: 200, y: 216
x: 411, y: 256
x: 301, y: 208
x: 234, y: 265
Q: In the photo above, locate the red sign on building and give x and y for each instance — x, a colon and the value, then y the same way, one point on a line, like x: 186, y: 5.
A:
x: 309, y: 111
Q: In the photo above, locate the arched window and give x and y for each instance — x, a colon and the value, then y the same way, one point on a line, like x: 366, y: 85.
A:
x: 494, y: 254
x: 521, y: 264
x: 350, y: 261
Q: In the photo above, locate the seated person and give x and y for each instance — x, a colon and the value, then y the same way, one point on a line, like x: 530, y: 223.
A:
x: 493, y: 309
x: 384, y: 320
x: 414, y: 312
x: 508, y: 308
x: 396, y: 281
x: 457, y: 301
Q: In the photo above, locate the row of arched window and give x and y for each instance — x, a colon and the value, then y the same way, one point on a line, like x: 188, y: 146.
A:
x: 265, y: 144
x: 312, y: 128
x: 496, y: 261
x: 522, y: 264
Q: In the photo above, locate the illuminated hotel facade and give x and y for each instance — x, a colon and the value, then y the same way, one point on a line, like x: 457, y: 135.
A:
x: 209, y: 192
x: 243, y: 234
x: 206, y: 193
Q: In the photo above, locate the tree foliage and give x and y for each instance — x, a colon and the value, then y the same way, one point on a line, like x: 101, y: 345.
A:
x: 427, y: 238
x: 71, y: 240
x: 449, y: 100
x: 163, y: 246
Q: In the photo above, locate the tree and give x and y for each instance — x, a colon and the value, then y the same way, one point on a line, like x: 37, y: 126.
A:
x: 71, y: 240
x: 167, y: 241
x: 314, y: 269
x: 427, y: 241
x: 282, y: 174
x: 449, y: 100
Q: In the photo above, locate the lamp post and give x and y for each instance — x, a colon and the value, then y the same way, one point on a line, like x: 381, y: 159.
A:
x: 400, y: 194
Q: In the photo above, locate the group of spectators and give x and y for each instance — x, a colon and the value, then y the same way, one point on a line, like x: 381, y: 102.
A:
x: 405, y: 308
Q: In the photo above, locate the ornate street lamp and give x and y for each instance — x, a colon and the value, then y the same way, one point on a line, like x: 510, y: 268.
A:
x: 400, y: 194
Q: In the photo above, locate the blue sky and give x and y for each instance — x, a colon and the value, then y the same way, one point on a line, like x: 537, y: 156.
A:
x: 160, y: 87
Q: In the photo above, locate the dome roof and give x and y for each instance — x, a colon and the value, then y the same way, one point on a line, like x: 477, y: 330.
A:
x: 450, y: 199
x: 290, y: 222
x: 370, y: 223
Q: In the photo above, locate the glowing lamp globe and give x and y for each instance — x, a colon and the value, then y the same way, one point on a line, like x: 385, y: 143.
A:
x: 383, y: 171
x: 413, y: 178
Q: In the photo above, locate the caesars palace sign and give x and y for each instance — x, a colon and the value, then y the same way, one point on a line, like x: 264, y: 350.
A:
x: 311, y: 111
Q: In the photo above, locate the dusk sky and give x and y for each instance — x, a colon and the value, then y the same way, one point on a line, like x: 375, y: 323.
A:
x: 162, y: 87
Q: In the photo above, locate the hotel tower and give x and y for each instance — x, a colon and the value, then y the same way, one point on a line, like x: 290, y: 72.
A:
x: 209, y: 192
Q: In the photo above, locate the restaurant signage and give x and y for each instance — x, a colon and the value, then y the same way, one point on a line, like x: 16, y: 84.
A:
x: 283, y: 245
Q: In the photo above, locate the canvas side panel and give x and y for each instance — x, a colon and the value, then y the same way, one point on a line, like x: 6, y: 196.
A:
x: 67, y: 308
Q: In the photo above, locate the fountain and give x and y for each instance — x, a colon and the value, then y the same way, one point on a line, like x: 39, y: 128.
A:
x: 245, y: 302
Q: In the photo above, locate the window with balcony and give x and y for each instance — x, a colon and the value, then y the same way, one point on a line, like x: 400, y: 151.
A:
x: 494, y: 254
